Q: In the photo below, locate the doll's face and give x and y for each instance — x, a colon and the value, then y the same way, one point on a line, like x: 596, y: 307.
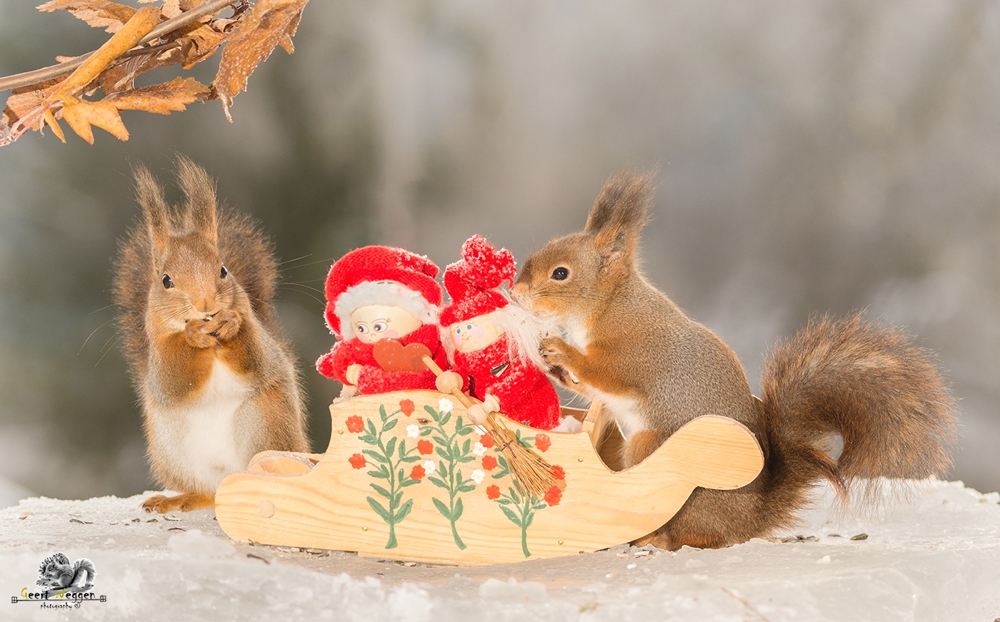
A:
x: 474, y: 334
x: 372, y: 323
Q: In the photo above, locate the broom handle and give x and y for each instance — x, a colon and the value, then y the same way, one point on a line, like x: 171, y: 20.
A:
x: 434, y: 367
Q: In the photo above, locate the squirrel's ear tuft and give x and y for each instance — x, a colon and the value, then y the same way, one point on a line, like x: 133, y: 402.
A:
x: 620, y: 213
x: 155, y: 213
x: 199, y: 190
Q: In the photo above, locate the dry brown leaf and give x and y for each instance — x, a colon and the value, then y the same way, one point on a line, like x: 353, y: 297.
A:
x: 162, y: 98
x: 199, y: 44
x: 80, y: 115
x: 25, y: 99
x: 253, y: 31
x: 120, y: 77
x: 171, y: 8
x: 286, y: 43
x: 98, y: 13
x: 50, y: 120
x: 142, y: 22
x: 268, y: 24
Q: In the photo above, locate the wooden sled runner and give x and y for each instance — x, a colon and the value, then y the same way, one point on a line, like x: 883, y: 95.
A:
x: 407, y: 477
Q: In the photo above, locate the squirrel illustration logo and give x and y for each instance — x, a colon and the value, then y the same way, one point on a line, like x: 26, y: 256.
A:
x: 57, y: 573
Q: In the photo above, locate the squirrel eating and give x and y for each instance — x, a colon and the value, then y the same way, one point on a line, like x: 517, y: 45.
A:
x: 216, y: 380
x: 866, y: 383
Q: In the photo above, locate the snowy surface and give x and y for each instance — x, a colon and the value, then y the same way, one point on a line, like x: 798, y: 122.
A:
x: 935, y: 558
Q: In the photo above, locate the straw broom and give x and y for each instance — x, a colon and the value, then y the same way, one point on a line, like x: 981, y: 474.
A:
x: 531, y: 473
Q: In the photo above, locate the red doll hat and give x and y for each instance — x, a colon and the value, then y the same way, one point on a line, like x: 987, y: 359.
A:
x: 472, y: 282
x: 381, y: 275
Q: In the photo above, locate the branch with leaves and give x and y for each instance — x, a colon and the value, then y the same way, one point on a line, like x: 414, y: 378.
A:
x: 177, y: 32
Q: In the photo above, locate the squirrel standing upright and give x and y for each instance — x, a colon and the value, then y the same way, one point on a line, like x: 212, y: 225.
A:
x: 655, y: 369
x: 217, y: 382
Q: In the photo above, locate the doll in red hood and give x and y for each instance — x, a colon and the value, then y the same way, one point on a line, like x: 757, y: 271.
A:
x: 494, y: 341
x: 375, y: 293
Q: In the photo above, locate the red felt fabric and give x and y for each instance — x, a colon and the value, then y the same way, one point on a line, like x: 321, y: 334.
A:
x: 372, y: 378
x: 472, y: 281
x: 380, y: 263
x: 525, y: 393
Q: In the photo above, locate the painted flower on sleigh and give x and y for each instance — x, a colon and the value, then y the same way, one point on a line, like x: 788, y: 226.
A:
x: 493, y: 492
x: 413, y: 430
x: 407, y: 407
x: 429, y: 467
x: 355, y: 424
x: 543, y: 442
x: 478, y: 476
x: 558, y: 472
x: 357, y: 461
x: 425, y: 447
x: 553, y: 496
x: 445, y: 405
x: 479, y: 449
x: 418, y: 472
x: 489, y: 463
x: 486, y: 441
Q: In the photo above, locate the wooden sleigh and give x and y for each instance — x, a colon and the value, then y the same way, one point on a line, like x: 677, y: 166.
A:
x: 407, y: 477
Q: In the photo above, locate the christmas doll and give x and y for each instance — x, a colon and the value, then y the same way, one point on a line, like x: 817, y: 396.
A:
x: 379, y: 293
x: 494, y: 341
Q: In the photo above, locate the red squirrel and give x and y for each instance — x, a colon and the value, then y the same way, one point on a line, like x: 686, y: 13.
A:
x: 867, y: 383
x: 216, y: 380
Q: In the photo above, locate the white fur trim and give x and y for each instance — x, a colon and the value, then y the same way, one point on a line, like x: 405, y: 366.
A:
x: 524, y: 332
x: 389, y: 293
x: 570, y: 425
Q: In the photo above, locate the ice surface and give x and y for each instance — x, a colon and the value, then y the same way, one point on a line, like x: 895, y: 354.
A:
x: 936, y: 558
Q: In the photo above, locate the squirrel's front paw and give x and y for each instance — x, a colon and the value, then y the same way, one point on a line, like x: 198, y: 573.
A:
x: 557, y: 353
x: 224, y: 324
x: 197, y: 335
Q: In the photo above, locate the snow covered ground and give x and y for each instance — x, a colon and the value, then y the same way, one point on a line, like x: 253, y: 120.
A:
x: 937, y: 558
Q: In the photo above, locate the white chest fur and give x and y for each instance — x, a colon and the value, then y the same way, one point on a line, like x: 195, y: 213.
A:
x: 623, y: 409
x: 202, y: 438
x: 575, y: 332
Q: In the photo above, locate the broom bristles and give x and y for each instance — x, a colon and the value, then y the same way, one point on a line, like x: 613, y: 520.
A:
x: 531, y: 472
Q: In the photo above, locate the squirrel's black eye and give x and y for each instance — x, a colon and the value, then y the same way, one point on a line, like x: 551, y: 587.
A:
x: 223, y: 272
x: 560, y: 274
x: 167, y: 282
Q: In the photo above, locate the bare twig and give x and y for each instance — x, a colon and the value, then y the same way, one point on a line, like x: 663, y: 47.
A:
x: 47, y: 73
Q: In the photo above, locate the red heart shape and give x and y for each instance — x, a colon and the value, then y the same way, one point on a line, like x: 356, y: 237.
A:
x: 393, y: 356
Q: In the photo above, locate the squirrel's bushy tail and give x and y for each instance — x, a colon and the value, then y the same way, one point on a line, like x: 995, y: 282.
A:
x: 867, y: 383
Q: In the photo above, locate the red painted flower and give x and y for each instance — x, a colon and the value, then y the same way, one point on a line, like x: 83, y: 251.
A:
x: 486, y: 440
x: 558, y: 472
x: 425, y: 447
x: 553, y: 496
x: 489, y: 463
x: 543, y: 442
x: 418, y: 472
x: 355, y: 424
x: 357, y: 461
x: 407, y: 407
x: 493, y: 492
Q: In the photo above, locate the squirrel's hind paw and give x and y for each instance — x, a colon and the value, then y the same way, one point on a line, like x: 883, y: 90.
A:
x: 184, y: 502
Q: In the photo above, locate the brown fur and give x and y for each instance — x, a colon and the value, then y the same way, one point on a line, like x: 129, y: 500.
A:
x: 173, y: 337
x: 656, y: 369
